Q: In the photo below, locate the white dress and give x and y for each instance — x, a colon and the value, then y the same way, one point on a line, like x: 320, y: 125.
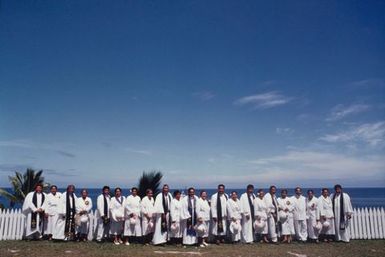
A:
x: 132, y: 213
x: 175, y: 212
x: 247, y: 219
x: 342, y: 234
x: 29, y: 208
x: 117, y: 215
x: 261, y: 211
x: 312, y: 215
x: 203, y: 212
x: 159, y: 236
x: 288, y: 224
x: 234, y: 216
x: 189, y: 234
x: 326, y: 211
x: 147, y: 209
x: 214, y: 214
x: 53, y: 202
x: 272, y: 206
x: 84, y: 205
x: 299, y: 216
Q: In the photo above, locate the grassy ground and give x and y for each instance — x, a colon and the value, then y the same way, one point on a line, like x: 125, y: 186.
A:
x: 51, y: 249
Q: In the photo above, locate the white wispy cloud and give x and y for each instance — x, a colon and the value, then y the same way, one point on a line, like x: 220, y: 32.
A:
x: 340, y: 111
x: 284, y: 131
x: 264, y: 101
x: 204, y: 95
x: 370, y: 82
x: 369, y: 133
x: 138, y: 151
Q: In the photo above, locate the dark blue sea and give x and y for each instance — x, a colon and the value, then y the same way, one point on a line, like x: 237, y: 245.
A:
x: 360, y: 196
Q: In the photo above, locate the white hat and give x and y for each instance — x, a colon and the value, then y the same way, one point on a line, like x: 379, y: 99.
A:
x: 283, y: 216
x: 174, y: 227
x: 150, y: 225
x: 317, y: 226
x: 132, y: 221
x: 201, y: 229
x: 235, y: 227
x: 326, y: 224
x: 119, y: 214
x: 259, y: 225
x: 84, y: 219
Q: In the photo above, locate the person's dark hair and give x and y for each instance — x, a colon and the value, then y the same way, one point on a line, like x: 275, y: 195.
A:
x: 84, y: 190
x: 118, y: 188
x: 148, y: 190
x: 271, y: 187
x: 53, y: 186
x: 310, y: 190
x: 190, y: 188
x: 221, y: 185
x: 337, y: 186
x: 134, y: 188
x: 165, y: 185
x: 250, y: 186
x: 260, y: 190
x: 297, y: 189
x: 202, y: 191
x: 323, y: 189
x: 69, y: 186
x: 284, y: 191
x: 106, y: 187
x: 234, y: 192
x: 176, y: 192
x: 39, y: 185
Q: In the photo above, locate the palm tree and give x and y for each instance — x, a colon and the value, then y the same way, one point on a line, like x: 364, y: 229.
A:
x: 150, y: 180
x: 22, y: 184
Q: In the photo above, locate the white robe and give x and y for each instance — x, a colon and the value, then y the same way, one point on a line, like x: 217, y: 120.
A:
x: 159, y: 236
x: 53, y: 202
x: 286, y: 205
x: 176, y: 218
x: 261, y: 211
x: 234, y: 214
x: 247, y: 219
x: 116, y: 210
x: 132, y: 208
x: 214, y: 214
x: 29, y: 208
x: 203, y: 212
x: 312, y: 216
x: 84, y: 205
x: 342, y: 235
x: 102, y: 230
x: 325, y: 206
x: 299, y: 216
x: 271, y: 223
x: 59, y: 233
x: 147, y: 209
x: 188, y: 239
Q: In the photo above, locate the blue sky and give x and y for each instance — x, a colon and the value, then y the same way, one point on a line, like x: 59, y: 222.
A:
x: 277, y: 92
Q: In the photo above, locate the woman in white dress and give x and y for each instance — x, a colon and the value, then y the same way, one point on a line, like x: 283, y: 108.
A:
x: 83, y: 210
x: 148, y: 216
x: 326, y: 216
x: 285, y: 213
x: 53, y: 203
x: 234, y: 216
x: 203, y: 215
x: 176, y: 233
x: 132, y: 224
x: 260, y: 212
x: 312, y: 216
x: 117, y: 216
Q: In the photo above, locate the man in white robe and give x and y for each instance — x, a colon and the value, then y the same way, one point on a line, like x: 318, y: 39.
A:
x: 312, y: 216
x: 234, y: 215
x: 103, y: 214
x: 247, y: 209
x: 299, y: 215
x: 162, y: 222
x: 132, y: 225
x: 285, y: 214
x: 148, y: 216
x: 189, y: 218
x: 176, y: 232
x: 65, y: 225
x: 261, y: 212
x: 83, y: 210
x: 219, y: 214
x: 343, y: 212
x: 326, y: 216
x: 272, y: 215
x: 53, y: 203
x: 34, y: 207
x: 203, y: 214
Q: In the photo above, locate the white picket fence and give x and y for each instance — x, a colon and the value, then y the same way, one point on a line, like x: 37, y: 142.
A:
x: 367, y: 223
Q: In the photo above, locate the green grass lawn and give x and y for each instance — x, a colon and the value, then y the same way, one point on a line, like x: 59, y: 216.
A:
x: 55, y: 249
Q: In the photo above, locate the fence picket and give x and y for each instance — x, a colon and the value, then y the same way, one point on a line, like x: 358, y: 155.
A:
x: 2, y: 220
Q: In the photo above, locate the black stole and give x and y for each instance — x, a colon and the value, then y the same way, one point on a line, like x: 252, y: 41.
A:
x: 251, y: 205
x: 193, y: 217
x: 219, y: 214
x: 34, y: 214
x: 275, y: 207
x: 342, y: 210
x: 69, y: 229
x: 165, y: 203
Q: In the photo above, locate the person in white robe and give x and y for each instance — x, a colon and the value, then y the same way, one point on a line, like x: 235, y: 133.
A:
x: 117, y: 216
x: 299, y: 215
x: 343, y: 212
x: 285, y: 214
x: 65, y: 228
x: 162, y: 220
x: 103, y: 214
x: 247, y: 209
x: 53, y: 202
x: 312, y: 217
x: 272, y: 215
x: 189, y: 218
x: 203, y: 214
x: 234, y: 215
x: 326, y: 216
x: 132, y: 224
x: 83, y: 211
x: 176, y: 232
x: 34, y: 207
x: 148, y: 216
x: 261, y: 212
x: 219, y: 214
